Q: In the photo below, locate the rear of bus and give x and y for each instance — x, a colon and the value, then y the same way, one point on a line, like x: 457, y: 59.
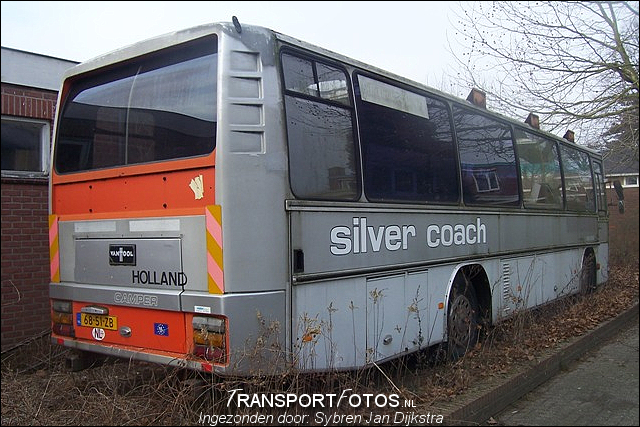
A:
x: 138, y: 211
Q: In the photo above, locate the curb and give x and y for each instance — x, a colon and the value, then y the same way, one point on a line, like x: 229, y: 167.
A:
x: 484, y: 403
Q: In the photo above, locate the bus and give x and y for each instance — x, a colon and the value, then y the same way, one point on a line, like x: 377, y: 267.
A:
x: 229, y: 199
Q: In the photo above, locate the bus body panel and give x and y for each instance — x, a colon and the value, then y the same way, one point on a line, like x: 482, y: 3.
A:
x: 256, y: 329
x: 602, y: 263
x: 170, y: 253
x: 349, y: 240
x: 160, y: 299
x: 345, y: 323
x: 375, y: 283
x: 144, y: 328
x: 120, y: 196
x: 530, y: 281
x: 251, y: 164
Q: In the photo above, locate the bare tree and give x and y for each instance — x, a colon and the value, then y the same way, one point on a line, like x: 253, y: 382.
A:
x: 575, y: 64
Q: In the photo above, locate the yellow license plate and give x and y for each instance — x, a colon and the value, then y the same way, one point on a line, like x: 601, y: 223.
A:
x: 97, y: 321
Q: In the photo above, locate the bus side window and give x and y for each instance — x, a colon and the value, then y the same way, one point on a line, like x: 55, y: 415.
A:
x: 578, y: 180
x: 601, y: 194
x: 322, y: 152
x: 407, y: 145
x: 539, y: 171
x: 489, y: 175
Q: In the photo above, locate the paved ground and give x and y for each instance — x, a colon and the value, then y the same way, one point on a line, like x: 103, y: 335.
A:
x: 591, y: 380
x: 600, y: 388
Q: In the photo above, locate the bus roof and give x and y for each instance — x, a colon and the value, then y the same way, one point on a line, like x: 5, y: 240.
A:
x: 176, y: 37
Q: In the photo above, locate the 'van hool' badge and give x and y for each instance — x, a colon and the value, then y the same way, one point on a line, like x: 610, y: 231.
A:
x: 122, y: 254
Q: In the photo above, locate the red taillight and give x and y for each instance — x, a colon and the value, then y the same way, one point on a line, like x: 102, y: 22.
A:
x: 213, y: 354
x: 62, y: 318
x: 65, y: 330
x: 210, y: 338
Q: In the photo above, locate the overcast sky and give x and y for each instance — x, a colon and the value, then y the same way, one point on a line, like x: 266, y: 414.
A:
x: 406, y: 38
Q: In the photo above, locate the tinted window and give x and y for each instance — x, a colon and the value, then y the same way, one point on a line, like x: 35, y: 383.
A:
x: 540, y: 171
x: 322, y: 154
x: 158, y: 107
x: 25, y: 145
x: 489, y: 174
x: 578, y: 182
x: 407, y: 145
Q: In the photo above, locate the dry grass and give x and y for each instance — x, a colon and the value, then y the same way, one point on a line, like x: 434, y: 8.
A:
x: 524, y: 339
x: 38, y: 390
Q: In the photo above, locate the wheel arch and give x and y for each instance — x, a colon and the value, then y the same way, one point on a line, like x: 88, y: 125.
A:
x: 588, y: 271
x: 476, y: 274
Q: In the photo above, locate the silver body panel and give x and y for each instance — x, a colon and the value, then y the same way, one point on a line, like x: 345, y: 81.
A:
x: 382, y: 300
x: 414, y: 237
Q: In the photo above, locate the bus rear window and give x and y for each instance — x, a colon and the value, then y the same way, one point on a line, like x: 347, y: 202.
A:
x: 154, y: 108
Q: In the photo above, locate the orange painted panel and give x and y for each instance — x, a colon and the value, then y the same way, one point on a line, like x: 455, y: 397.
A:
x: 156, y: 329
x: 162, y: 193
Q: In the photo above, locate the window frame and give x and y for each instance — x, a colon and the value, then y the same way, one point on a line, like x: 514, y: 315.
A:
x: 564, y: 149
x: 630, y: 181
x: 315, y: 61
x: 446, y: 105
x: 488, y: 171
x: 561, y: 207
x: 600, y: 182
x: 45, y: 148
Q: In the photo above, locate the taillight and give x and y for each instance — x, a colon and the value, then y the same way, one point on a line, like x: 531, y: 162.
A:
x: 209, y: 338
x: 62, y: 318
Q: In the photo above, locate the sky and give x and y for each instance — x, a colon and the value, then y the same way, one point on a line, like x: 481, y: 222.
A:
x: 410, y: 39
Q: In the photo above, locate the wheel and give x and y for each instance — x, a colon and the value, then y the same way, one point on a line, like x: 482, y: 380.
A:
x: 588, y: 274
x: 463, y: 319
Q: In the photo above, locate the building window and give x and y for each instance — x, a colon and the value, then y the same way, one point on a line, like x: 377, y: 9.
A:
x: 25, y: 147
x: 631, y: 181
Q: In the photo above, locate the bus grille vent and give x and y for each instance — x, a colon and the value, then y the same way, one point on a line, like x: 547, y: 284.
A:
x: 506, y: 287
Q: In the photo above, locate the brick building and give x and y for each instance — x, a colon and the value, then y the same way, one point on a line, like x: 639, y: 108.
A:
x: 623, y: 228
x: 30, y: 84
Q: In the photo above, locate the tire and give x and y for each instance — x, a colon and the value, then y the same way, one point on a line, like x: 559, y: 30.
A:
x: 463, y: 319
x: 588, y: 274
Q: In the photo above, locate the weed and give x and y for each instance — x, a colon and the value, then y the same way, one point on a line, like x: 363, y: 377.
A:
x: 37, y: 389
